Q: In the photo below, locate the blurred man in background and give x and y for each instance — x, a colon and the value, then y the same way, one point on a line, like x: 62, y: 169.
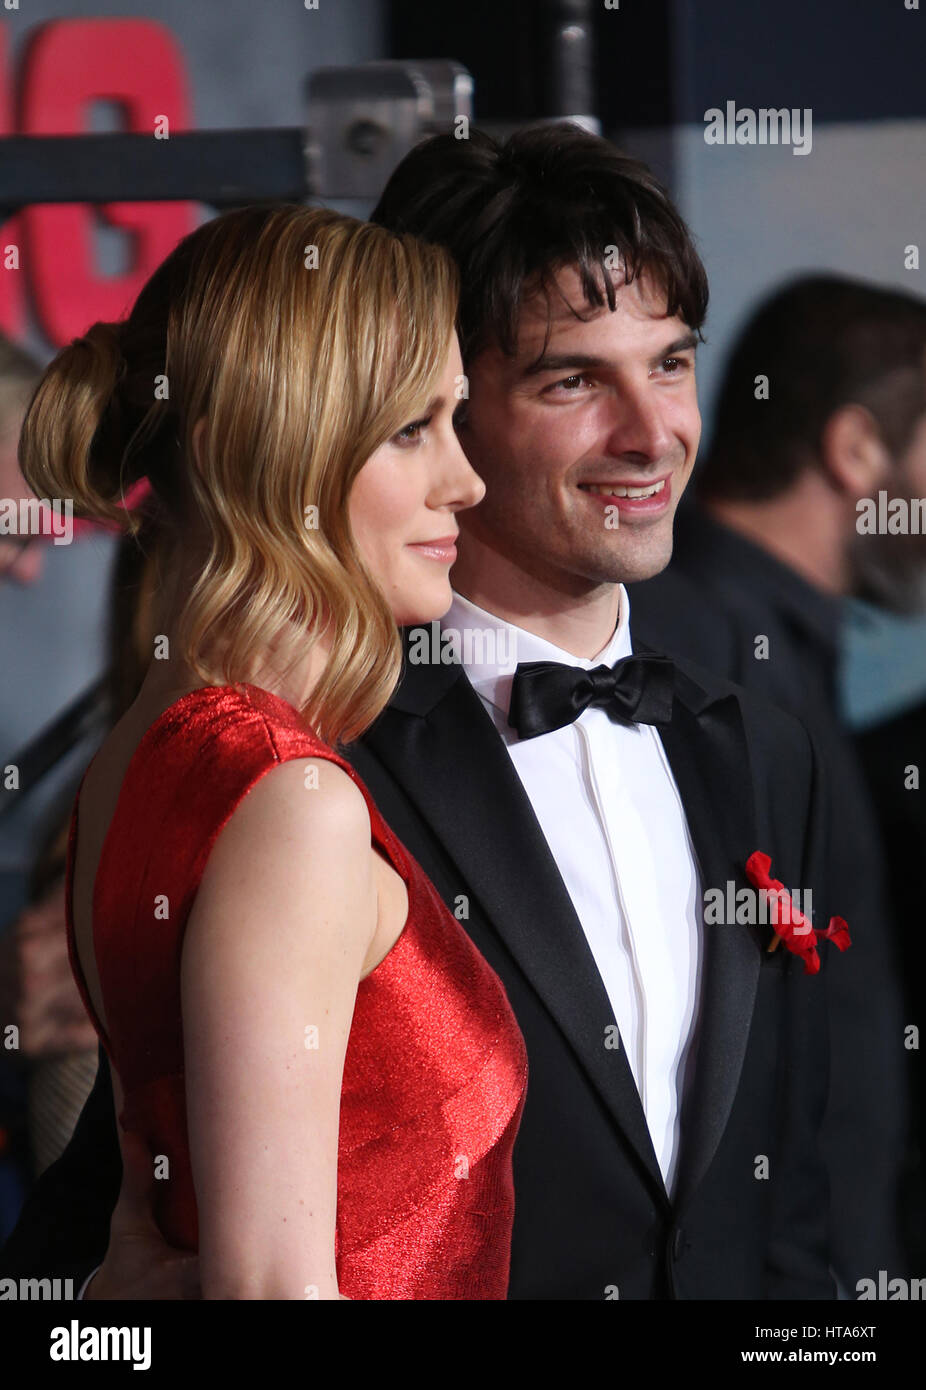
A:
x: 822, y: 407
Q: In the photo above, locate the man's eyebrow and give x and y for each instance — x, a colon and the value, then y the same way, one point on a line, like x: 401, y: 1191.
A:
x: 560, y: 361
x: 586, y: 362
x: 683, y: 344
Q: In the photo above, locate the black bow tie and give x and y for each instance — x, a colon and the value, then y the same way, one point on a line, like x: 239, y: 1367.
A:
x: 546, y: 695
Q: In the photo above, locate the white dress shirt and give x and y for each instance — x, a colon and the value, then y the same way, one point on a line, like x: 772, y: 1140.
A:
x: 607, y: 803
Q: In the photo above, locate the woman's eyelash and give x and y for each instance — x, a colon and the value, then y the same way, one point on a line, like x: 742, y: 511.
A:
x: 415, y: 425
x: 409, y: 433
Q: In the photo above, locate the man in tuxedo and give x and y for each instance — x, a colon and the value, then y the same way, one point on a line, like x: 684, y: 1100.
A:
x: 576, y: 818
x: 821, y: 407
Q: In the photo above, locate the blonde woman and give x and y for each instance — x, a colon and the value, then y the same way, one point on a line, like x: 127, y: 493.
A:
x: 327, y: 1072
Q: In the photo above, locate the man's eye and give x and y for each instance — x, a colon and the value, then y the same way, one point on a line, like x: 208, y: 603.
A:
x: 674, y: 366
x: 410, y: 434
x: 569, y: 384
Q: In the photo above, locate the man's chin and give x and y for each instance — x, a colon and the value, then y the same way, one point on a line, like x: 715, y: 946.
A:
x: 890, y: 581
x: 636, y: 563
x: 903, y: 595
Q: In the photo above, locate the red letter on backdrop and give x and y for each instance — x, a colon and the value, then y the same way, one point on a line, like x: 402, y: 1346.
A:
x: 69, y: 64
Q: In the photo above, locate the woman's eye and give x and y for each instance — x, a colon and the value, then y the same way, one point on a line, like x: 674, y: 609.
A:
x: 410, y: 434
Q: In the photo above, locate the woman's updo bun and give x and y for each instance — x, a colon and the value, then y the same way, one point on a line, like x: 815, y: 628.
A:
x: 77, y: 431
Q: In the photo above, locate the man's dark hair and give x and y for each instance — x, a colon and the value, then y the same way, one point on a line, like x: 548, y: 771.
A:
x: 823, y: 342
x: 515, y: 212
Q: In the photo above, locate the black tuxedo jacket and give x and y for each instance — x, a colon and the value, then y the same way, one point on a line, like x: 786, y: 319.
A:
x: 719, y: 593
x: 593, y: 1220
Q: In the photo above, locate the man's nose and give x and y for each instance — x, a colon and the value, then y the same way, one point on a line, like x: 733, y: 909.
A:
x: 639, y: 429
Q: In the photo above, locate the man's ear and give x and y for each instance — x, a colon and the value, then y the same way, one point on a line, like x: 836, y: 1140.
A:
x: 855, y: 459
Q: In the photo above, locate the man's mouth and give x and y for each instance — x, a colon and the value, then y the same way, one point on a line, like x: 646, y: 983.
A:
x: 622, y: 490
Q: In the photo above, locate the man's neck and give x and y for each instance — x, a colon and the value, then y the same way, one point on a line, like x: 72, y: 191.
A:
x: 581, y: 624
x: 803, y: 529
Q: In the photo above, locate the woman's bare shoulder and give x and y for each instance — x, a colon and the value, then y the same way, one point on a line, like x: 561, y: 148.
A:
x: 304, y: 820
x: 312, y: 792
x: 295, y: 850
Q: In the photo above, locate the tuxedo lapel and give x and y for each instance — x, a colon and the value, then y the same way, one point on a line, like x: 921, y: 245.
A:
x: 706, y: 745
x: 441, y: 747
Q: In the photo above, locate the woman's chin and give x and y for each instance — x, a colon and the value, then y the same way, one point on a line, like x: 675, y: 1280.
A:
x: 424, y: 607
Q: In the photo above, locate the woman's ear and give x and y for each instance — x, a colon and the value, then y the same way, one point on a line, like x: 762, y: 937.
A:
x: 855, y: 458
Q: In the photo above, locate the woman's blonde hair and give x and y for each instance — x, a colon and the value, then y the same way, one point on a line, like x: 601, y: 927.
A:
x: 305, y: 339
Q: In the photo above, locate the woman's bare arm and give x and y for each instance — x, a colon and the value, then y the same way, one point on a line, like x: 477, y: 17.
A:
x: 273, y: 953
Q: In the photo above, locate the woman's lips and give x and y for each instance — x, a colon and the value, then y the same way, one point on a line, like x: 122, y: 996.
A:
x: 443, y: 549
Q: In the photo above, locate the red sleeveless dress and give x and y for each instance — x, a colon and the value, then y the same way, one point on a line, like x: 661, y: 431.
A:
x: 436, y: 1069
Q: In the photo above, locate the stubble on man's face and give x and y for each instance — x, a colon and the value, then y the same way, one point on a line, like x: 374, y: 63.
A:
x: 612, y: 401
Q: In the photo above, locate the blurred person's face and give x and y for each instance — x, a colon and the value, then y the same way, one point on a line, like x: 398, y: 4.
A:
x: 403, y: 501
x: 890, y: 570
x: 21, y: 557
x: 586, y: 453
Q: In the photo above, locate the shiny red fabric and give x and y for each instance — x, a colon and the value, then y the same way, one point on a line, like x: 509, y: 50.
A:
x: 436, y: 1069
